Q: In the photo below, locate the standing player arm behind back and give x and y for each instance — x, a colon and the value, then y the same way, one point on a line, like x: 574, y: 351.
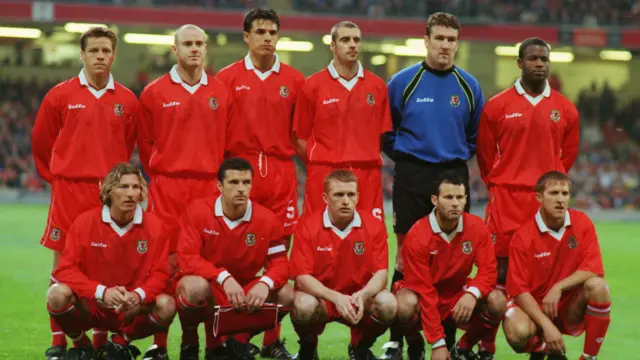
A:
x: 395, y: 108
x: 486, y: 142
x: 571, y: 138
x: 304, y: 114
x: 145, y: 129
x: 472, y: 127
x: 45, y: 131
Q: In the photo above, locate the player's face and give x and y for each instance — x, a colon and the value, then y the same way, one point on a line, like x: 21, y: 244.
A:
x: 236, y: 186
x: 98, y: 55
x: 263, y: 37
x: 191, y: 47
x: 127, y: 194
x: 451, y: 201
x: 535, y: 63
x: 555, y: 199
x: 341, y: 199
x: 441, y: 44
x: 347, y: 45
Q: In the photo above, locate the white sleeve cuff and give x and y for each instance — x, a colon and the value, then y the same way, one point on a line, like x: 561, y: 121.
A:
x: 222, y: 277
x: 439, y: 343
x: 100, y: 289
x: 140, y: 292
x: 475, y: 292
x: 267, y: 280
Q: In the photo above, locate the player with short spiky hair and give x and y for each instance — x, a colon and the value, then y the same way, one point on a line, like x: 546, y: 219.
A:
x: 265, y: 92
x: 556, y: 278
x: 439, y: 254
x: 84, y: 126
x: 339, y: 260
x: 224, y: 242
x: 529, y: 115
x: 113, y: 270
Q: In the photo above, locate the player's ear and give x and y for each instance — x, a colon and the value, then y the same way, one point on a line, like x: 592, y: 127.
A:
x: 434, y: 200
x: 245, y: 37
x: 325, y: 198
x: 539, y: 197
x: 174, y: 49
x: 219, y: 186
x: 519, y: 63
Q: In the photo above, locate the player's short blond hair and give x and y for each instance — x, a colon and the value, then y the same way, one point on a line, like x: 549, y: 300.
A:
x: 113, y: 178
x: 341, y: 175
x: 551, y: 177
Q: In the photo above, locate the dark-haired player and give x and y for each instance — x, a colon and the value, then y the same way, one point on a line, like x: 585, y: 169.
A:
x: 525, y: 131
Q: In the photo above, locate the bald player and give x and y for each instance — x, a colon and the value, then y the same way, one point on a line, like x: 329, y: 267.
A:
x: 181, y: 141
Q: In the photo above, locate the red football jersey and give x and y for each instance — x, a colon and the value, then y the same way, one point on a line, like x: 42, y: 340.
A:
x: 520, y: 138
x: 438, y: 265
x: 540, y: 257
x: 262, y: 116
x: 342, y: 260
x: 342, y: 120
x: 80, y: 133
x: 100, y: 254
x: 214, y: 247
x: 183, y: 128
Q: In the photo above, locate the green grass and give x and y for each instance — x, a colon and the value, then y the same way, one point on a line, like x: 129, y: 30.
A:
x: 24, y: 329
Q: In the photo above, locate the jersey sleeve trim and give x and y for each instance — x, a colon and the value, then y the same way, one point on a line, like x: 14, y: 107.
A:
x: 467, y: 90
x: 408, y: 91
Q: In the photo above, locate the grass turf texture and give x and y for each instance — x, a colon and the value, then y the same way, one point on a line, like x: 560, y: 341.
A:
x: 24, y: 333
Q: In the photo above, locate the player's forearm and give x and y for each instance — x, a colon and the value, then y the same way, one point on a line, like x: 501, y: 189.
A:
x: 301, y: 148
x: 376, y: 284
x: 529, y: 305
x: 278, y: 272
x: 577, y: 278
x: 312, y: 286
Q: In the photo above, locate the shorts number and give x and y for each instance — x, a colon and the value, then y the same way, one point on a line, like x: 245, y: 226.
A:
x: 377, y: 212
x: 291, y: 212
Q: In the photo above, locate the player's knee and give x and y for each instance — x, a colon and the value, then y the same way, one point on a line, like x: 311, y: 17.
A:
x: 597, y: 289
x: 165, y: 307
x: 194, y: 289
x: 59, y: 296
x: 385, y: 306
x: 496, y: 304
x: 407, y: 306
x: 305, y: 307
x: 286, y: 296
x: 518, y: 333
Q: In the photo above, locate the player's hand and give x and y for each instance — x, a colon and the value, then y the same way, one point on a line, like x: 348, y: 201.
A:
x: 553, y: 338
x: 257, y: 296
x: 357, y: 300
x: 234, y: 292
x: 113, y: 296
x: 440, y: 353
x: 131, y: 300
x: 463, y: 309
x: 550, y: 302
x: 345, y: 308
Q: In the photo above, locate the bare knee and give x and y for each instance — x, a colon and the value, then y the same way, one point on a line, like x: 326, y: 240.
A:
x: 165, y: 307
x: 407, y: 306
x: 496, y: 304
x: 385, y: 306
x: 194, y: 289
x: 305, y: 308
x: 518, y: 331
x: 59, y: 296
x: 597, y: 289
x: 286, y: 296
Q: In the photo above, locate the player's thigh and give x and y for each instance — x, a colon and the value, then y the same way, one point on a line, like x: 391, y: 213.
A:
x: 283, y: 296
x: 279, y: 194
x: 410, y: 200
x: 308, y: 307
x: 370, y: 188
x: 571, y: 311
x: 314, y: 187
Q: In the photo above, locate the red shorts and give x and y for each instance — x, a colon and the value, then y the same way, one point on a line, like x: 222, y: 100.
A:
x: 220, y: 298
x: 169, y: 198
x: 369, y: 187
x: 446, y: 303
x: 275, y: 186
x: 104, y: 318
x: 68, y: 200
x: 508, y: 208
x: 563, y: 311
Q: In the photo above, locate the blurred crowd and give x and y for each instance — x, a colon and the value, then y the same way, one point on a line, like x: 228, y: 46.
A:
x: 606, y: 174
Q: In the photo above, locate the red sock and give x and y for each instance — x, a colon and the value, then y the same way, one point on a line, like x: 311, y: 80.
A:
x: 119, y: 339
x: 481, y: 323
x: 488, y: 342
x: 82, y: 341
x: 309, y: 333
x: 212, y: 341
x: 535, y: 345
x: 100, y: 337
x: 160, y: 338
x: 190, y: 317
x: 367, y: 331
x: 58, y: 337
x: 243, y: 338
x: 144, y: 326
x: 596, y: 323
x: 271, y: 336
x: 69, y: 320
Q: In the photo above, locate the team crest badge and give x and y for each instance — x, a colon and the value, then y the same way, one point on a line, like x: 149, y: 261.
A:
x: 55, y: 234
x: 555, y: 115
x: 284, y: 91
x: 250, y: 239
x: 358, y: 247
x: 467, y: 248
x: 142, y: 246
x: 573, y: 242
x: 455, y: 100
x: 371, y: 100
x: 493, y: 238
x: 213, y: 103
x: 118, y: 109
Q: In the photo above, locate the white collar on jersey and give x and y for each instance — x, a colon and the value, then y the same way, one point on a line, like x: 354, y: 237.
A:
x: 436, y: 228
x: 232, y: 224
x: 335, y: 75
x: 175, y: 77
x: 556, y: 234
x: 248, y: 64
x: 533, y: 100
x: 326, y: 221
x: 137, y: 219
x: 97, y: 93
